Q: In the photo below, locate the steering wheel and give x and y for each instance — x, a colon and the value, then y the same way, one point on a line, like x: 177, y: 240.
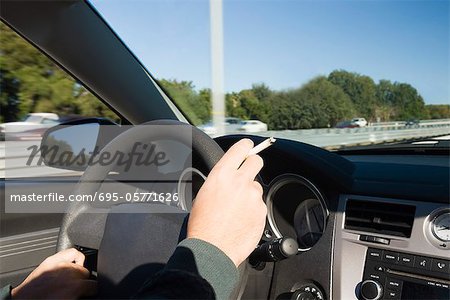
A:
x: 134, y: 240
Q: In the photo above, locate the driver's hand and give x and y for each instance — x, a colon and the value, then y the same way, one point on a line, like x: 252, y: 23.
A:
x: 229, y: 211
x: 60, y: 276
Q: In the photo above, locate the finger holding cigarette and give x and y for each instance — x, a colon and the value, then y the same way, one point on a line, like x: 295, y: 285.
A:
x: 261, y: 146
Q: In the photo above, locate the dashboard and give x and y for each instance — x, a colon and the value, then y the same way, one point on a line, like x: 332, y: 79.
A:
x: 344, y: 209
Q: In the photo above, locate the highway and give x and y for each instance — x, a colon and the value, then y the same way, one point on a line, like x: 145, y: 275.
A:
x: 14, y: 154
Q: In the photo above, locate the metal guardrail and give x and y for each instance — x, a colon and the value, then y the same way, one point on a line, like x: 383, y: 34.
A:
x: 337, y: 138
x: 421, y: 123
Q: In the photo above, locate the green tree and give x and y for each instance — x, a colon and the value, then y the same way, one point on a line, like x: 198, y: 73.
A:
x: 361, y: 90
x: 196, y: 105
x: 441, y: 111
x: 409, y: 103
x: 31, y: 82
x: 330, y: 103
x: 261, y: 91
x: 289, y: 112
x: 246, y: 105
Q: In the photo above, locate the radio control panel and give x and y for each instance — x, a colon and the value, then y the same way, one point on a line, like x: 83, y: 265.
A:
x: 396, y: 275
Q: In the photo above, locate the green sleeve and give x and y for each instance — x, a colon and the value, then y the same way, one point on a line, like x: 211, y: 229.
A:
x: 6, y: 292
x: 212, y: 264
x: 196, y: 270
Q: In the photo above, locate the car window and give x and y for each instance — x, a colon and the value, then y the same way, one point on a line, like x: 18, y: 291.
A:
x: 352, y: 71
x: 35, y: 95
x: 32, y: 119
x: 49, y: 121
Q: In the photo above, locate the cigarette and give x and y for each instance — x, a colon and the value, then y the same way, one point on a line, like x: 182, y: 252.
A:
x: 261, y: 146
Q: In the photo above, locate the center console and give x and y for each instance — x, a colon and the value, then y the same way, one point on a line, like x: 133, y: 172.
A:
x: 390, y: 249
x: 398, y: 275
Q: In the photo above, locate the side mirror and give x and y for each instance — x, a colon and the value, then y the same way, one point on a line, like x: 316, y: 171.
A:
x: 71, y: 145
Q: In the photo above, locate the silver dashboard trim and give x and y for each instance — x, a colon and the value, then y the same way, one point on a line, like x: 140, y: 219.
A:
x: 349, y: 253
x: 428, y: 224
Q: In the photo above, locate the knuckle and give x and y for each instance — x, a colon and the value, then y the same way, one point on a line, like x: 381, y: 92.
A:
x: 217, y: 171
x: 61, y: 265
x: 72, y: 251
x: 258, y: 187
x: 264, y: 208
x: 258, y: 160
x: 247, y: 143
x: 257, y: 194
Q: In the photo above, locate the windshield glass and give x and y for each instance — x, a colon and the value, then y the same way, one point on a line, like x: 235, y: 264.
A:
x: 330, y: 73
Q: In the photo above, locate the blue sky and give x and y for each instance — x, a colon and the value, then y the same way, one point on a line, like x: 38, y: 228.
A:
x: 286, y: 43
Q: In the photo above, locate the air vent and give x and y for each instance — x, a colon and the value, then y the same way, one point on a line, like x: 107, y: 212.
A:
x: 380, y: 217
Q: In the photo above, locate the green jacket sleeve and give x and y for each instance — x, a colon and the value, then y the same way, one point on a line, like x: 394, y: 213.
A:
x: 6, y: 292
x: 196, y: 270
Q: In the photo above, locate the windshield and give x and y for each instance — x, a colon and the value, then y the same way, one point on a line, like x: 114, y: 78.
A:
x: 329, y: 73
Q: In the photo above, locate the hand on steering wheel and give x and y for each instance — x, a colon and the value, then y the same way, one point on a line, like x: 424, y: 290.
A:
x: 236, y: 213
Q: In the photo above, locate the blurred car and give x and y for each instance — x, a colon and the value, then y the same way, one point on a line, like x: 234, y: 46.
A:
x: 231, y: 125
x: 31, y: 121
x: 33, y: 126
x: 253, y: 126
x: 346, y: 124
x: 360, y: 122
x: 412, y: 123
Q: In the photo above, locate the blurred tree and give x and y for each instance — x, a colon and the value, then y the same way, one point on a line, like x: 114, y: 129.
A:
x: 204, y: 105
x: 409, y: 103
x: 330, y: 102
x: 261, y: 91
x: 385, y: 108
x: 361, y: 90
x: 246, y: 105
x: 31, y: 82
x: 385, y: 92
x: 438, y: 111
x: 288, y: 112
x: 196, y: 105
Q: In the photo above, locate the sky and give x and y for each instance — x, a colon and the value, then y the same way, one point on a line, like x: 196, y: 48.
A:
x: 284, y: 44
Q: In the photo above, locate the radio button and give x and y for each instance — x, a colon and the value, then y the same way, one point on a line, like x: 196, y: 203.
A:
x: 393, y: 284
x: 376, y: 277
x: 407, y: 260
x: 439, y: 265
x: 392, y: 295
x: 374, y: 254
x: 380, y: 240
x: 390, y: 256
x: 371, y: 290
x: 379, y: 268
x: 422, y: 262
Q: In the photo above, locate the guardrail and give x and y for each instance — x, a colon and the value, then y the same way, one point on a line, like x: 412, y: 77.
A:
x: 422, y: 123
x: 337, y: 138
x: 334, y: 138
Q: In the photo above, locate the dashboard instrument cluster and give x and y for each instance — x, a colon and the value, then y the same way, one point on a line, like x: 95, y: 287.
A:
x: 296, y: 208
